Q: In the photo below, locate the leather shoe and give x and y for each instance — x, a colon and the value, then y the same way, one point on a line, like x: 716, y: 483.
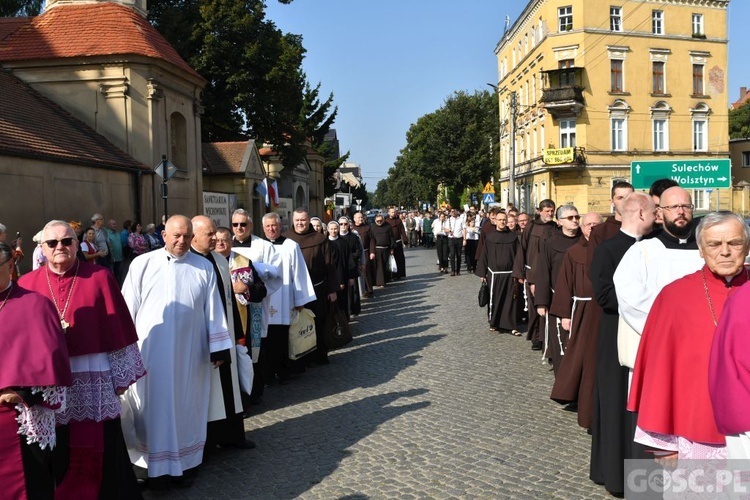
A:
x: 536, y: 346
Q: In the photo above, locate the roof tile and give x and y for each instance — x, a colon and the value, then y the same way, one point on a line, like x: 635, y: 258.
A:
x: 32, y: 126
x: 223, y: 157
x: 100, y: 29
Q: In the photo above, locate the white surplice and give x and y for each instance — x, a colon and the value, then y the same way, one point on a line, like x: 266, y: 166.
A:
x: 177, y: 311
x: 261, y: 251
x: 297, y: 288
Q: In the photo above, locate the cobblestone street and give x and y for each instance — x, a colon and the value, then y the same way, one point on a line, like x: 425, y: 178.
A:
x: 424, y: 403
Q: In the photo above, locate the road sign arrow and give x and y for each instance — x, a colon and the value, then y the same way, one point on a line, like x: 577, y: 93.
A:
x: 637, y: 169
x: 722, y: 178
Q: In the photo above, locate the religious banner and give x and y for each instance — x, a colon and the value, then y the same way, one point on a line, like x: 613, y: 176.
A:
x: 558, y: 156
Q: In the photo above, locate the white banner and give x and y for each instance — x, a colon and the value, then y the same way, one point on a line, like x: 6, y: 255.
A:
x: 216, y: 207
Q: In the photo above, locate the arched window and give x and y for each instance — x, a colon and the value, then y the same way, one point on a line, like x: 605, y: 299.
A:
x: 618, y: 122
x: 660, y: 126
x: 178, y: 140
x: 700, y: 126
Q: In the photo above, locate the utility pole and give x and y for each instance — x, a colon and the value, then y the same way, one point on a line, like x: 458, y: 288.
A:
x: 512, y: 174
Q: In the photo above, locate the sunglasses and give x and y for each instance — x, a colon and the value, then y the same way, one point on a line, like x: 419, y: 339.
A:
x: 53, y: 243
x: 239, y: 224
x: 572, y: 217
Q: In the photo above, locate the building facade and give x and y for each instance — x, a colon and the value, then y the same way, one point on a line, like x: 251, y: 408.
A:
x: 593, y: 86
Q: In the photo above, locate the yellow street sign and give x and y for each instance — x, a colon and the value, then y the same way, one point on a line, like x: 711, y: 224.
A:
x: 489, y: 189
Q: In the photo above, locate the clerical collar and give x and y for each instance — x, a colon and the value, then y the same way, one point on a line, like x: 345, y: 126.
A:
x: 171, y: 256
x: 70, y: 269
x: 637, y: 237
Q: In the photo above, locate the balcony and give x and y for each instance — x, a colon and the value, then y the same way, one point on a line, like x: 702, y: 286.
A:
x: 562, y: 94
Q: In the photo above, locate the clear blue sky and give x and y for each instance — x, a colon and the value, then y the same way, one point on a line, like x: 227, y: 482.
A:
x: 388, y: 62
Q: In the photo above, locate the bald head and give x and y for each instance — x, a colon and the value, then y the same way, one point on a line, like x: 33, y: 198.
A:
x: 638, y: 214
x: 588, y: 222
x: 204, y: 234
x: 177, y: 234
x: 676, y: 207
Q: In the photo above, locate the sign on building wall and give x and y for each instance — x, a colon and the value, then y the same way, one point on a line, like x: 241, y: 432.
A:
x: 216, y: 207
x: 558, y: 156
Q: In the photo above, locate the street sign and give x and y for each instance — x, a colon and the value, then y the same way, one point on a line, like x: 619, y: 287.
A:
x: 488, y: 198
x: 690, y: 174
x: 474, y: 198
x: 488, y: 188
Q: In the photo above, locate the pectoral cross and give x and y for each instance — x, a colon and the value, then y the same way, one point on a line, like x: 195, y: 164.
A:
x: 64, y: 325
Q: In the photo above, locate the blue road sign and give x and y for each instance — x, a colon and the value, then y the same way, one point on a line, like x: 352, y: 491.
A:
x: 488, y: 198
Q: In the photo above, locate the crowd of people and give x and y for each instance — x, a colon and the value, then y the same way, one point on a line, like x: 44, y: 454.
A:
x: 153, y: 357
x: 640, y: 316
x: 142, y: 370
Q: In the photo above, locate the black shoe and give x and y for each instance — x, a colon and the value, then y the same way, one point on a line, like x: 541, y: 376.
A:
x: 184, y: 481
x: 536, y: 346
x: 571, y: 407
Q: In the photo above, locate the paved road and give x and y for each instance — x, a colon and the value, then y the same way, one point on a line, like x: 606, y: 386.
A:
x: 424, y: 403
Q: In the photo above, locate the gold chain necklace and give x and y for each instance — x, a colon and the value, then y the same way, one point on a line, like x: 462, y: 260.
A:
x: 63, y: 323
x: 708, y: 297
x: 10, y: 290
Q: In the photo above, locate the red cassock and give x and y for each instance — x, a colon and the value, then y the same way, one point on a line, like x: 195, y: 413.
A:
x: 670, y: 380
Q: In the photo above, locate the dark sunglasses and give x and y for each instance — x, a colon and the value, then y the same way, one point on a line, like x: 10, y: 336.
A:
x: 239, y: 224
x: 53, y: 243
x: 573, y: 217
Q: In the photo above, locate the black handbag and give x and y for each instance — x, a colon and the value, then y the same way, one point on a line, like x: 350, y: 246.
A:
x: 484, y: 294
x: 338, y: 333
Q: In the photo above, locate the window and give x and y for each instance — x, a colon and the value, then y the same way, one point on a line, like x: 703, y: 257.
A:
x: 178, y: 140
x: 661, y: 135
x: 658, y: 77
x: 565, y: 18
x: 619, y: 134
x: 657, y: 22
x: 698, y: 24
x: 697, y: 79
x: 701, y: 199
x: 745, y: 159
x: 700, y: 127
x: 615, y: 18
x: 616, y: 75
x: 567, y: 133
x: 567, y: 78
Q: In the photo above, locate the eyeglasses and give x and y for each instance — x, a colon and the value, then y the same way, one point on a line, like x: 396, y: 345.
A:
x: 343, y: 223
x: 571, y: 218
x: 53, y: 243
x: 686, y: 208
x: 239, y: 224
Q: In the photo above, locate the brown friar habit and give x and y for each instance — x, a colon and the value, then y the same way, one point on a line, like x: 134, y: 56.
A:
x: 487, y: 228
x: 496, y: 266
x: 368, y: 243
x: 547, y: 271
x: 399, y: 234
x: 573, y: 299
x: 523, y: 267
x: 384, y: 241
x: 612, y: 426
x: 326, y: 274
x: 601, y: 233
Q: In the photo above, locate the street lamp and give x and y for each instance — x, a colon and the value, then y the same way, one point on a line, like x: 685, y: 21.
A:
x: 166, y: 170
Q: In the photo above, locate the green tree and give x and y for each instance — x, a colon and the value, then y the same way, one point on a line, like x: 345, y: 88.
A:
x: 739, y: 122
x: 20, y: 8
x: 256, y: 86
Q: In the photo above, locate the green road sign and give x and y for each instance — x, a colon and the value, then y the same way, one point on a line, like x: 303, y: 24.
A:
x: 690, y: 174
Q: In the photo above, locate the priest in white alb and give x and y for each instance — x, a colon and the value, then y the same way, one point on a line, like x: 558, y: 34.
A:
x: 182, y: 332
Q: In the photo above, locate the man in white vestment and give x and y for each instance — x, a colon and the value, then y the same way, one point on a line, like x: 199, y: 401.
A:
x: 652, y: 263
x: 259, y: 251
x: 296, y: 291
x: 182, y: 333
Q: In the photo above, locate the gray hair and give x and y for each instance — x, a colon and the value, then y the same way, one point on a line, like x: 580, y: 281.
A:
x: 271, y: 215
x: 54, y: 223
x: 242, y: 211
x: 3, y: 229
x: 716, y: 218
x: 563, y: 209
x: 97, y: 217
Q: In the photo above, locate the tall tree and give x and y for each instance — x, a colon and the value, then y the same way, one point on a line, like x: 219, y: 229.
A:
x: 739, y: 122
x: 256, y: 86
x: 20, y: 8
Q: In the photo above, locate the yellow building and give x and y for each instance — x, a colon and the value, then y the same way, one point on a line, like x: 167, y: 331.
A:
x: 619, y: 81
